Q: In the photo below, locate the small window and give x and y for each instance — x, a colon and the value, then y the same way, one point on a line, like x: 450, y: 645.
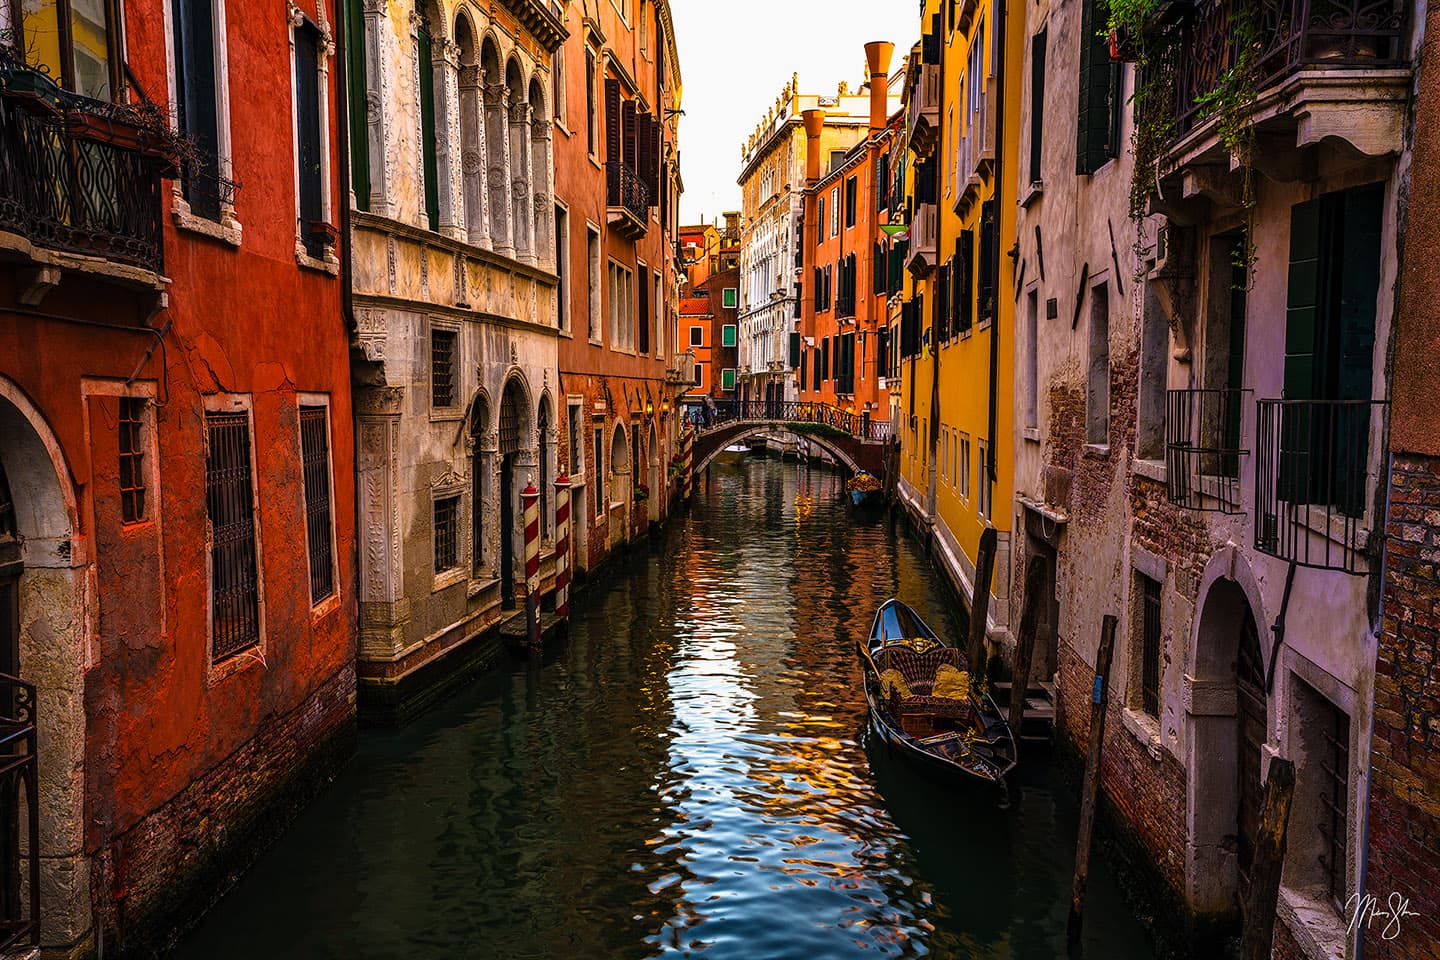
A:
x: 699, y: 378
x: 315, y: 461
x: 1149, y: 590
x: 230, y: 507
x: 447, y: 533
x: 727, y: 335
x: 983, y: 480
x: 727, y: 378
x: 962, y: 478
x: 834, y: 211
x: 592, y: 242
x: 592, y: 130
x: 442, y: 368
x: 132, y: 459
x: 562, y: 269
x: 697, y: 336
x: 1097, y: 395
x: 577, y: 441
x: 598, y: 481
x: 729, y: 298
x: 309, y: 154
x: 837, y: 160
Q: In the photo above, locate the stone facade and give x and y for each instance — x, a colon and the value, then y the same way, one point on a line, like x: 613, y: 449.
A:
x: 455, y: 300
x: 772, y: 181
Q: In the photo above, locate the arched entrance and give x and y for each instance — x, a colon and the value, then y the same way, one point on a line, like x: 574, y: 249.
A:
x: 542, y: 430
x: 514, y: 428
x: 479, y: 481
x: 619, y: 485
x: 653, y: 447
x: 42, y: 637
x: 1228, y: 715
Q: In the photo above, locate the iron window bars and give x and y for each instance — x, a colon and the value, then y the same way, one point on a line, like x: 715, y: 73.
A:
x: 315, y: 457
x: 1203, y: 447
x: 230, y: 504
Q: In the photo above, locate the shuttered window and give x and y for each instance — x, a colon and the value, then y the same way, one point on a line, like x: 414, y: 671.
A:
x: 315, y: 460
x: 1037, y: 102
x: 358, y: 88
x: 985, y: 288
x: 942, y: 320
x: 196, y: 104
x: 230, y: 509
x: 427, y: 130
x: 1098, y: 132
x: 308, y: 136
x: 644, y: 317
x: 1149, y: 645
x: 965, y: 258
x: 131, y: 428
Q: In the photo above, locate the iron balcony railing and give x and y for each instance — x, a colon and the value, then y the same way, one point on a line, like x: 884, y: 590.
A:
x: 76, y: 174
x: 1294, y: 34
x: 625, y: 190
x: 19, y: 819
x: 861, y: 426
x: 1312, y: 480
x: 1203, y: 447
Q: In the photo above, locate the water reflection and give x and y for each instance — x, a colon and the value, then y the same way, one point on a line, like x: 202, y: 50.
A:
x: 687, y: 776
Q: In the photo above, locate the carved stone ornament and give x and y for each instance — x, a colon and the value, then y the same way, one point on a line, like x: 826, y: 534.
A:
x: 471, y: 161
x: 295, y: 15
x: 541, y: 202
x: 372, y: 107
x: 519, y: 189
x: 447, y: 479
x: 514, y: 352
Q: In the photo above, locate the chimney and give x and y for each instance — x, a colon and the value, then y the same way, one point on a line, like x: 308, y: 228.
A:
x: 877, y: 57
x: 814, y: 126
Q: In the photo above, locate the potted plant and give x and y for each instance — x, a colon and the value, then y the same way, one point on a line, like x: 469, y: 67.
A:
x: 642, y: 493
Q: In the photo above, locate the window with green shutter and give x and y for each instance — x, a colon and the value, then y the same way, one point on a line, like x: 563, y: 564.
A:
x: 359, y: 123
x: 1098, y: 131
x: 727, y: 335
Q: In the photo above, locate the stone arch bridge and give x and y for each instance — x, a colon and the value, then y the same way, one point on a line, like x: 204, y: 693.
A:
x: 853, y: 439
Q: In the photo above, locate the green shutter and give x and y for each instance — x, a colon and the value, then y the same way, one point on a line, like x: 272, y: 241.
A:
x: 1302, y: 301
x: 359, y: 83
x: 1098, y: 90
x: 427, y: 132
x: 1359, y: 288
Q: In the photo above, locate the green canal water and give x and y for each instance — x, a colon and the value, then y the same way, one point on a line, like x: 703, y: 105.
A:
x: 687, y: 775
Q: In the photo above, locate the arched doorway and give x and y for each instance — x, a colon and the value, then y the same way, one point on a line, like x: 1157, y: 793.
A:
x: 620, y: 484
x: 542, y: 439
x: 653, y: 448
x: 514, y: 428
x: 42, y: 635
x: 479, y: 481
x: 1228, y: 715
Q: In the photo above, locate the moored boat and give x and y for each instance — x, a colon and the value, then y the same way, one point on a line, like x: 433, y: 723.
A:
x: 925, y: 704
x: 864, y: 489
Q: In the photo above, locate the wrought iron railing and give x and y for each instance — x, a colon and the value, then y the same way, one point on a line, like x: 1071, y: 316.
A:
x: 72, y: 176
x: 1203, y: 447
x: 626, y: 190
x: 19, y: 818
x: 1312, y: 480
x: 1293, y: 34
x: 861, y: 426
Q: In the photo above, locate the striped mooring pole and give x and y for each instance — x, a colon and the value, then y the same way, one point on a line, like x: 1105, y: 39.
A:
x: 530, y: 506
x: 687, y: 458
x: 562, y: 546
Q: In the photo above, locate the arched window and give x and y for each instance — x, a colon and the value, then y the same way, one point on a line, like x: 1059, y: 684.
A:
x: 490, y: 163
x: 542, y: 204
x: 479, y: 480
x: 518, y: 105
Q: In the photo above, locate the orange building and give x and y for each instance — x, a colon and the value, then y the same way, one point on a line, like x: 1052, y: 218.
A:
x: 842, y: 348
x: 617, y: 197
x: 709, y: 304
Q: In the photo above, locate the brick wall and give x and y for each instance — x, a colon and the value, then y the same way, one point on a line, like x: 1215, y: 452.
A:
x: 1404, y: 855
x: 151, y: 884
x: 1146, y: 796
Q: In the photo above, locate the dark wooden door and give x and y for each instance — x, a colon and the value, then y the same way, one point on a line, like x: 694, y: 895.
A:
x: 507, y: 532
x: 1250, y: 738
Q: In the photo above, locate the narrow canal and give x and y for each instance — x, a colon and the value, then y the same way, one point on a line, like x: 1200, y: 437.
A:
x: 687, y: 776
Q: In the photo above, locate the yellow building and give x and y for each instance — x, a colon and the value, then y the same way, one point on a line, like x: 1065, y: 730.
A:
x: 957, y: 345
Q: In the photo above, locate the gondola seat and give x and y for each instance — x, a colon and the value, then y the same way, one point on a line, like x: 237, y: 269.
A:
x: 917, y: 674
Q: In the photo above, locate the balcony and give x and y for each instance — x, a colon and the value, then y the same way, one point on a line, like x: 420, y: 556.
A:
x: 80, y: 180
x: 1313, y: 481
x: 627, y: 201
x: 924, y: 240
x: 1325, y: 69
x: 1203, y: 449
x: 976, y: 147
x: 19, y: 820
x: 923, y: 122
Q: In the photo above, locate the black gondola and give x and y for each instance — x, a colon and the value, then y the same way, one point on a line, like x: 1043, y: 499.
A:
x: 923, y: 704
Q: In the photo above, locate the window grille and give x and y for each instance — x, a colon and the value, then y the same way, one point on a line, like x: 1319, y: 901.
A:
x: 230, y: 505
x: 132, y: 459
x: 442, y: 368
x: 511, y: 440
x: 447, y: 526
x: 1150, y: 646
x: 315, y: 457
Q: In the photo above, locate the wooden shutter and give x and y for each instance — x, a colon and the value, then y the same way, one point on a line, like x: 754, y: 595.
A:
x: 1094, y: 143
x: 357, y: 89
x: 1302, y: 302
x: 967, y: 278
x: 930, y: 43
x: 651, y: 169
x: 631, y: 133
x: 307, y: 121
x: 986, y: 287
x: 1037, y: 102
x: 195, y: 64
x: 795, y: 357
x: 643, y: 321
x: 613, y: 137
x: 942, y: 320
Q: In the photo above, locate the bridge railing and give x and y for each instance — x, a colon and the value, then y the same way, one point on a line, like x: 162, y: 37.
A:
x: 861, y: 426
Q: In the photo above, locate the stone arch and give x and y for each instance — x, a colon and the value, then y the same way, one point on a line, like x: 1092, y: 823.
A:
x: 482, y: 467
x: 652, y: 445
x: 471, y: 111
x: 495, y: 158
x: 545, y: 462
x: 830, y: 447
x: 1225, y: 715
x: 520, y: 189
x: 515, y: 461
x: 542, y: 191
x: 43, y: 589
x: 620, y: 492
x: 515, y: 422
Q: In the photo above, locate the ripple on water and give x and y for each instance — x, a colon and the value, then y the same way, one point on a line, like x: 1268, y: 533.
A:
x: 689, y: 776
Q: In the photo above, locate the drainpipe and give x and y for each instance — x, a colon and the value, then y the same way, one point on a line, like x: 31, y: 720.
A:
x: 999, y: 181
x: 347, y: 301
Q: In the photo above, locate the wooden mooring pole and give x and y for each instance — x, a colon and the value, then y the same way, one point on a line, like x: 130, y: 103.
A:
x: 1270, y: 839
x: 1025, y: 644
x: 1099, y: 696
x: 980, y: 603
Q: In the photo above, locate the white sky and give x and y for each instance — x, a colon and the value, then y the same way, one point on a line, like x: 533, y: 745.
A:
x: 736, y: 55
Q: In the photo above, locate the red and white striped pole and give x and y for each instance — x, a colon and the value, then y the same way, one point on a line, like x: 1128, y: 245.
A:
x: 530, y: 506
x: 562, y: 546
x: 687, y: 459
